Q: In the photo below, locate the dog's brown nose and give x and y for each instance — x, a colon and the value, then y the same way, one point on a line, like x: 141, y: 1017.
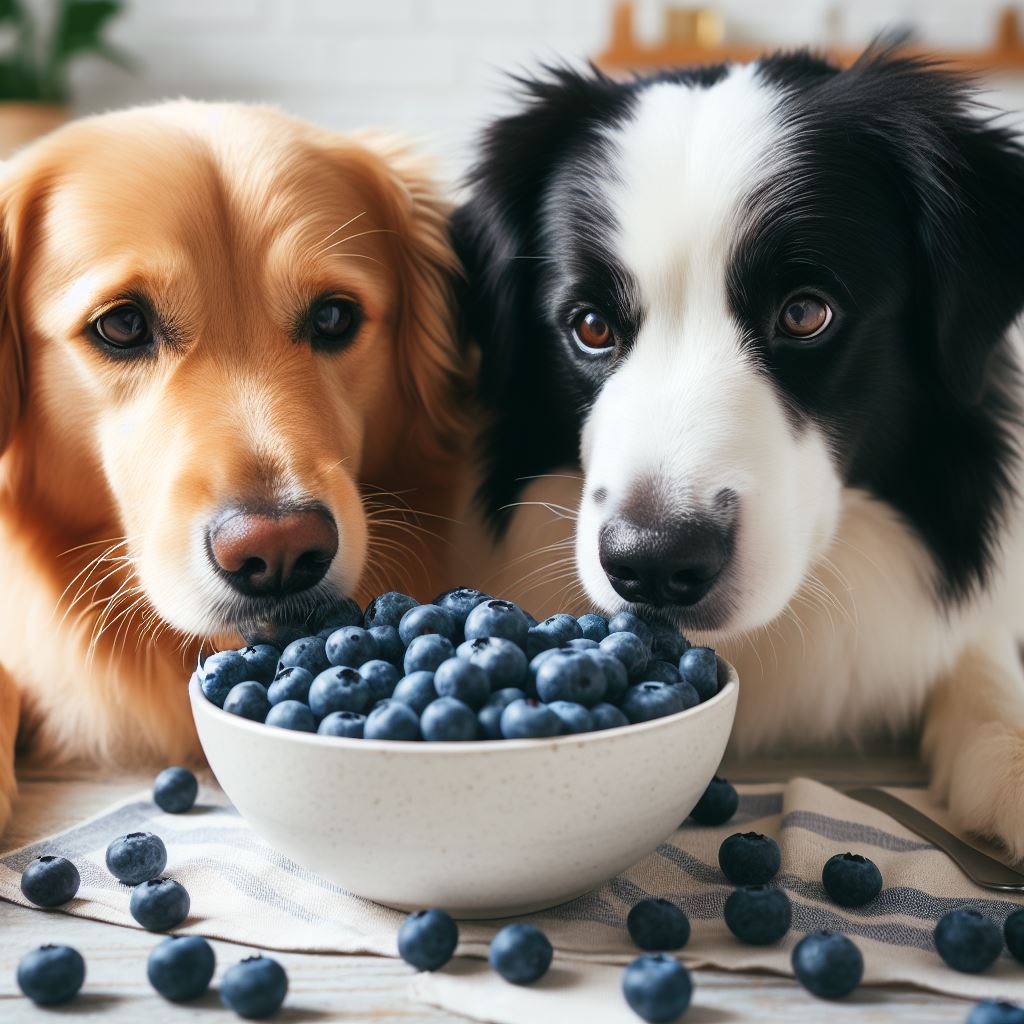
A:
x: 273, y: 552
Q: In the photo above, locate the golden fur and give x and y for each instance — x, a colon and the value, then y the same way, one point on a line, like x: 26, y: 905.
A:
x: 228, y: 219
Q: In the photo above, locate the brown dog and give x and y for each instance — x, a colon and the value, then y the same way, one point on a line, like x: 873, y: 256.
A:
x: 226, y: 368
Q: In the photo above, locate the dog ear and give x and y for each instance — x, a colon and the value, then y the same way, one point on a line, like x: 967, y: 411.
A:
x: 534, y: 428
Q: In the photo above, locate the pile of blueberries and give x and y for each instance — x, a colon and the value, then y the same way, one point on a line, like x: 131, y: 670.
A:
x: 465, y: 667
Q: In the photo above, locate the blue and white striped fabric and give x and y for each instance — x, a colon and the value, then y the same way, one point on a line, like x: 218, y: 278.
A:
x: 244, y: 891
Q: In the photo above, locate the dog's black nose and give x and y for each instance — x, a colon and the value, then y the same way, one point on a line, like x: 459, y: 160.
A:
x: 672, y: 562
x: 275, y: 551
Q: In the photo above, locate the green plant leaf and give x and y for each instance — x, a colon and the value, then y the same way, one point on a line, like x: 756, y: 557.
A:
x: 11, y: 10
x: 80, y: 25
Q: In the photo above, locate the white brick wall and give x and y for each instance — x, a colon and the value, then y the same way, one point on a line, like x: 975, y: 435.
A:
x: 433, y: 68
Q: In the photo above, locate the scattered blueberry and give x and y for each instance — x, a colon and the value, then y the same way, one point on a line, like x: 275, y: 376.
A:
x: 261, y: 661
x: 570, y: 675
x: 424, y: 620
x: 159, y: 904
x: 248, y: 700
x: 657, y: 988
x: 630, y: 650
x: 50, y: 881
x: 593, y: 627
x: 308, y: 652
x: 389, y: 643
x: 447, y: 719
x: 758, y: 915
x: 520, y: 953
x: 749, y: 858
x: 136, y: 857
x: 851, y: 880
x: 699, y: 667
x: 338, y: 689
x: 489, y: 716
x: 343, y: 723
x: 351, y: 646
x: 828, y: 965
x: 290, y: 684
x: 574, y: 717
x: 425, y: 653
x: 1013, y: 932
x: 529, y: 719
x: 175, y: 789
x: 607, y: 716
x: 181, y: 967
x: 291, y: 714
x: 717, y: 805
x: 254, y: 988
x: 991, y: 1012
x: 381, y: 678
x: 387, y: 609
x: 417, y: 690
x: 460, y: 678
x: 220, y: 672
x: 427, y: 939
x: 497, y: 618
x: 647, y: 701
x: 392, y: 721
x: 502, y: 660
x: 51, y: 974
x: 458, y: 603
x: 968, y: 941
x: 658, y: 924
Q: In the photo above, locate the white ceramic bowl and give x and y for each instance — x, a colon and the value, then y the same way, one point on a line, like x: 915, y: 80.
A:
x: 482, y: 829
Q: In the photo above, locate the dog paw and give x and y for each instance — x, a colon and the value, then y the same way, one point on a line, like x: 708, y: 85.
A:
x: 984, y: 786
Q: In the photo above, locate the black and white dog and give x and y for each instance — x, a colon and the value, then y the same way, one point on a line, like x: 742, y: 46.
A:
x: 770, y: 312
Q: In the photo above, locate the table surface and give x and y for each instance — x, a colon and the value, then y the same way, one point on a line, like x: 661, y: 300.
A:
x: 362, y: 988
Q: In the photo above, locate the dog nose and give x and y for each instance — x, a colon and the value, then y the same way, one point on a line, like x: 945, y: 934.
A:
x: 672, y: 563
x: 273, y: 551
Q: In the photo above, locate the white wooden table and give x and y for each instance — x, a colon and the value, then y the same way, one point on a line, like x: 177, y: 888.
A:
x: 361, y: 988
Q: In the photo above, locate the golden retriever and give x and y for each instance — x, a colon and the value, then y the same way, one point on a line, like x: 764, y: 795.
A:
x: 226, y: 369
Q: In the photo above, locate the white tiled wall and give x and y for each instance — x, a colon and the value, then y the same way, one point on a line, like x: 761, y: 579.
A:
x: 434, y: 68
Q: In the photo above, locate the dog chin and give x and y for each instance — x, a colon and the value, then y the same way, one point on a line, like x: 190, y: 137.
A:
x: 279, y: 621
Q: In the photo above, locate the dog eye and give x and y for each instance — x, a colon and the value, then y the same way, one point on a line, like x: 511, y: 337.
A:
x: 124, y: 327
x: 804, y: 317
x: 334, y: 321
x: 592, y: 332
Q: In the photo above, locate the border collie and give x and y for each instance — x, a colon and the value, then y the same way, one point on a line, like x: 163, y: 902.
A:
x: 769, y: 311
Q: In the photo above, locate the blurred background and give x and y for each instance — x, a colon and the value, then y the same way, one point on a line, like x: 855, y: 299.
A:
x: 433, y: 69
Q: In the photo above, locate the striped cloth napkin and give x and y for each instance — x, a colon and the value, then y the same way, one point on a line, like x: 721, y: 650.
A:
x: 244, y: 891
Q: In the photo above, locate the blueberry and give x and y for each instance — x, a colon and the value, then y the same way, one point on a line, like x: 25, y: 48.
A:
x: 968, y: 941
x: 658, y: 924
x: 627, y: 622
x: 254, y: 988
x: 717, y: 805
x: 181, y: 967
x: 574, y: 717
x: 343, y: 723
x: 571, y: 675
x: 615, y: 677
x: 261, y: 660
x: 489, y: 716
x: 220, y: 672
x: 424, y: 620
x: 529, y: 719
x: 389, y: 643
x: 458, y: 603
x: 661, y: 672
x: 593, y: 627
x: 687, y: 694
x: 990, y: 1012
x: 291, y: 714
x: 498, y: 618
x: 308, y: 652
x: 1013, y: 932
x: 668, y: 644
x: 758, y: 915
x: 345, y: 613
x: 851, y: 880
x: 427, y: 939
x: 502, y: 660
x: 607, y: 716
x: 520, y: 953
x: 387, y: 609
x: 392, y: 721
x: 51, y: 974
x: 463, y: 680
x: 426, y: 653
x: 581, y: 643
x: 50, y: 881
x: 381, y: 678
x: 290, y: 684
x: 647, y: 701
x: 175, y: 789
x: 136, y: 857
x: 749, y: 858
x: 657, y: 987
x: 338, y: 689
x: 248, y: 700
x: 448, y: 719
x: 417, y: 690
x: 351, y: 646
x: 630, y: 650
x: 537, y: 641
x: 828, y: 965
x: 534, y: 667
x: 561, y: 628
x: 159, y: 904
x: 699, y: 667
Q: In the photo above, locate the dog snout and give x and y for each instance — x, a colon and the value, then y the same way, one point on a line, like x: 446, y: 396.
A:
x: 273, y: 551
x: 667, y: 561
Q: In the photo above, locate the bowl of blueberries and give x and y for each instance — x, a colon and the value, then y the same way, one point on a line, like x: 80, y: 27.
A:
x: 462, y: 754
